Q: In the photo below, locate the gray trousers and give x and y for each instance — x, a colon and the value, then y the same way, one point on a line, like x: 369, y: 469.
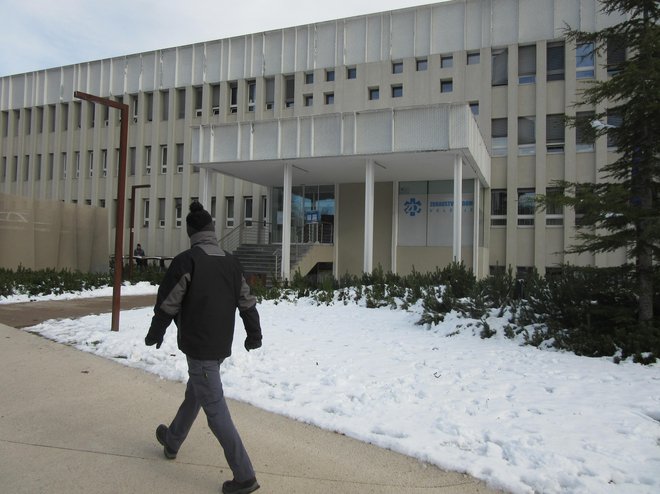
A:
x: 204, y: 390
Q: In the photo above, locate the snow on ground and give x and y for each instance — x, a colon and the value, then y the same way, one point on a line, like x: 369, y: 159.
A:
x: 522, y: 419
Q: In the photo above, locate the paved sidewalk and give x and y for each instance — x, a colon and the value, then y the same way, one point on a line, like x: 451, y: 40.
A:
x: 74, y: 423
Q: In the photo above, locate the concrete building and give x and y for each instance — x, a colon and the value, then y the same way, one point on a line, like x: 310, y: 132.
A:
x: 354, y: 138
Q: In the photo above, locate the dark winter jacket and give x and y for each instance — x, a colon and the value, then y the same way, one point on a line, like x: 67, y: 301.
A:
x: 201, y: 291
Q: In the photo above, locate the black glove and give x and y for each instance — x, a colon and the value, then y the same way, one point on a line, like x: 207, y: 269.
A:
x: 252, y: 343
x: 150, y: 340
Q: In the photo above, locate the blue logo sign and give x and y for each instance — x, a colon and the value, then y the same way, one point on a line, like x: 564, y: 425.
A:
x: 412, y: 207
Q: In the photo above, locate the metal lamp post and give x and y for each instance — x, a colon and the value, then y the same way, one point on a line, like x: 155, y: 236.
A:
x: 121, y: 199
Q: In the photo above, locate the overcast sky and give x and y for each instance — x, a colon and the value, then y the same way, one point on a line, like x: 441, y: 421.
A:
x: 40, y: 34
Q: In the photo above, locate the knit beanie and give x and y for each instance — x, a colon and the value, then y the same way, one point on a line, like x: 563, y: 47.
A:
x: 198, y: 220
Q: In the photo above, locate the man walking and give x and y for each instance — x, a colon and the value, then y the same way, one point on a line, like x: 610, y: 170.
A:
x: 200, y: 292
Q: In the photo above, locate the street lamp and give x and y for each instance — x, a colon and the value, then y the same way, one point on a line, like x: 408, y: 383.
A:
x: 130, y: 255
x: 121, y: 199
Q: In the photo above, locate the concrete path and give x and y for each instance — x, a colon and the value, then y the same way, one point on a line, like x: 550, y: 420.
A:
x: 74, y: 423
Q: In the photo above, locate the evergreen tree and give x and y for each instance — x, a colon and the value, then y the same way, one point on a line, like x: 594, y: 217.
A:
x: 621, y: 211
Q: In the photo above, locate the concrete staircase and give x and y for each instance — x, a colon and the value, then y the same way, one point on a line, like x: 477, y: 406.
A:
x: 263, y: 261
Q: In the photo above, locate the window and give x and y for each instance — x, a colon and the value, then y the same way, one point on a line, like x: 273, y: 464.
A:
x: 38, y: 167
x: 309, y: 77
x: 554, y: 213
x: 499, y: 136
x: 131, y: 160
x: 40, y: 120
x: 161, y: 212
x: 230, y: 212
x: 26, y: 168
x: 251, y: 95
x: 330, y: 75
x: 397, y: 91
x: 177, y: 212
x: 3, y: 172
x: 474, y: 108
x: 374, y: 93
x: 446, y: 61
x: 616, y: 56
x: 498, y: 207
x: 397, y: 67
x: 52, y: 118
x: 446, y: 85
x: 581, y: 193
x: 51, y: 166
x: 554, y: 133
x: 147, y: 160
x: 289, y: 91
x: 555, y: 61
x: 233, y: 97
x: 584, y: 138
x: 90, y: 163
x: 421, y: 64
x: 199, y: 98
x: 28, y: 121
x: 104, y: 163
x: 163, y: 158
x: 526, y: 136
x: 247, y: 209
x: 63, y: 162
x: 215, y: 99
x: 179, y: 158
x: 164, y: 105
x: 145, y: 209
x: 473, y: 57
x: 614, y: 120
x: 212, y: 210
x: 329, y: 98
x: 135, y: 107
x: 500, y: 61
x: 526, y: 206
x: 270, y: 93
x: 527, y: 64
x: 5, y: 123
x: 77, y: 160
x: 309, y: 99
x: 150, y: 106
x: 351, y: 73
x: 64, y: 116
x: 181, y: 103
x: 584, y: 61
x: 14, y: 175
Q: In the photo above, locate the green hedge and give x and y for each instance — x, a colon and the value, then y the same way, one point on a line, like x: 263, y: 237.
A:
x: 589, y: 311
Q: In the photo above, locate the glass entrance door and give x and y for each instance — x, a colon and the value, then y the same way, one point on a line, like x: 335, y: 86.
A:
x: 312, y: 213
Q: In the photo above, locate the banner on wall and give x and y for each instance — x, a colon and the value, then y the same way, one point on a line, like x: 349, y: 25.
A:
x: 426, y: 214
x: 412, y: 219
x: 441, y: 219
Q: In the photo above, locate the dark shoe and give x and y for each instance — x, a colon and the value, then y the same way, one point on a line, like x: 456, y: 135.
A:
x: 235, y: 487
x: 161, y: 434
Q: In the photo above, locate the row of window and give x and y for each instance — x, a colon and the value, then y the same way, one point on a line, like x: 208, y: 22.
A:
x: 50, y: 164
x: 555, y: 128
x: 555, y: 62
x: 230, y: 220
x: 526, y: 201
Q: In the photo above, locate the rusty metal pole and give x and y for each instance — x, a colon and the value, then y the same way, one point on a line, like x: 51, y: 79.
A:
x: 130, y: 242
x: 121, y: 199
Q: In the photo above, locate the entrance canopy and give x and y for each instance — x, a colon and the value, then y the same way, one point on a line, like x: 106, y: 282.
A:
x: 406, y: 144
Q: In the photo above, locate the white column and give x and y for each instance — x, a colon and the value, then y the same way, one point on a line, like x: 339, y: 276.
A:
x: 458, y: 207
x: 476, y: 268
x: 204, y: 186
x: 285, y: 269
x: 368, y: 263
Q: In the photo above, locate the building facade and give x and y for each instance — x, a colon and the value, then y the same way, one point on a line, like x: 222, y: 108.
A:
x: 356, y: 136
